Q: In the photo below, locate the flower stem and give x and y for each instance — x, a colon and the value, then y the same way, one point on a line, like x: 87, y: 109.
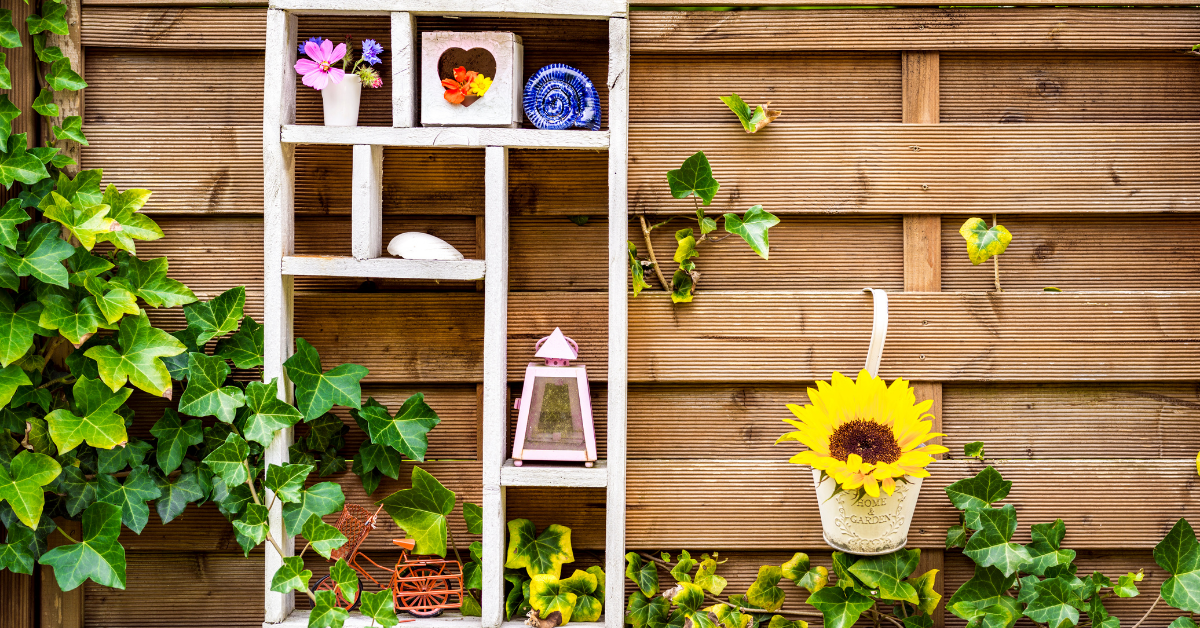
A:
x: 653, y: 260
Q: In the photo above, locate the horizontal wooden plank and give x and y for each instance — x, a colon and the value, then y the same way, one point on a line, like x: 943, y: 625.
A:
x: 930, y: 28
x: 915, y: 168
x: 779, y: 498
x: 390, y: 267
x: 776, y: 336
x: 192, y: 28
x: 597, y: 9
x: 459, y: 137
x: 822, y: 86
x: 1074, y: 252
x: 180, y: 588
x: 457, y: 405
x: 1040, y: 421
x: 193, y: 169
x: 554, y: 475
x: 1069, y: 86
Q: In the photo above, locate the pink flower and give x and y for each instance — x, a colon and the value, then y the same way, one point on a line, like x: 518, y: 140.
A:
x: 318, y: 70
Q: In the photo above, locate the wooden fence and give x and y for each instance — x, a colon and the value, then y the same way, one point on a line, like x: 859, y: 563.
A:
x: 1079, y: 127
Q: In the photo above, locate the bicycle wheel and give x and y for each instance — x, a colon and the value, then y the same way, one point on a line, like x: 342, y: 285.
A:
x: 325, y: 584
x: 427, y: 596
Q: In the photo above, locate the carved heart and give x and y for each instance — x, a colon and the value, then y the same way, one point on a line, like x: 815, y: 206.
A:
x: 475, y: 59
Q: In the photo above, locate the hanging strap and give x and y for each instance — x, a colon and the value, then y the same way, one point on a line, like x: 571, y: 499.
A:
x: 878, y: 330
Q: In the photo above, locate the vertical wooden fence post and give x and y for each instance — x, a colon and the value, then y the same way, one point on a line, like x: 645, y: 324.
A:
x: 61, y: 609
x: 70, y: 103
x: 923, y: 249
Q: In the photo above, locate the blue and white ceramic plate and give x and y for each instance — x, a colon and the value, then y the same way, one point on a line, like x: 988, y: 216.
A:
x: 559, y: 97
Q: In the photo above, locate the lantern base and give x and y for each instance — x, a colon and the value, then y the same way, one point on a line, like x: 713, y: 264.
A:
x: 517, y: 463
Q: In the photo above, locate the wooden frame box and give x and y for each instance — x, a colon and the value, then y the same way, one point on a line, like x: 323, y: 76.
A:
x: 500, y: 107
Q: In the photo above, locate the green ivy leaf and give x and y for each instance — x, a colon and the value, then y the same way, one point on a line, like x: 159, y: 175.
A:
x: 990, y: 546
x: 97, y: 556
x: 1050, y: 533
x: 643, y: 572
x: 887, y: 573
x: 984, y: 242
x: 16, y: 554
x: 707, y: 578
x: 116, y: 303
x: 21, y: 484
x: 927, y: 595
x: 40, y: 256
x: 841, y: 566
x: 731, y: 618
x: 346, y: 579
x: 1056, y: 605
x: 174, y: 438
x: 580, y: 583
x: 149, y: 281
x: 267, y: 412
x: 253, y: 524
x: 1181, y: 622
x: 98, y: 423
x: 682, y: 287
x: 778, y: 621
x: 80, y: 492
x: 10, y: 37
x: 685, y: 249
x: 978, y: 491
x: 986, y: 588
x: 752, y: 120
x: 694, y: 177
x: 408, y: 431
x: 83, y: 221
x: 319, y: 500
x: 229, y: 460
x: 1126, y: 585
x: 638, y: 273
x: 840, y: 607
x: 245, y: 347
x: 681, y: 572
x: 287, y: 480
x: 177, y: 494
x: 44, y: 104
x: 11, y: 216
x: 538, y: 554
x: 323, y: 537
x: 973, y: 450
x: 765, y: 593
x: 473, y: 515
x: 134, y: 226
x: 74, y: 320
x: 218, y: 316
x: 547, y: 595
x: 130, y: 496
x: 814, y: 579
x: 17, y: 329
x: 379, y: 459
x: 1179, y: 554
x: 796, y: 568
x: 956, y: 536
x: 129, y: 455
x: 752, y: 227
x: 421, y: 512
x: 204, y: 395
x: 689, y: 598
x: 72, y: 128
x: 317, y: 391
x: 54, y: 20
x: 291, y: 576
x: 326, y: 613
x: 379, y: 606
x: 17, y: 165
x: 139, y: 359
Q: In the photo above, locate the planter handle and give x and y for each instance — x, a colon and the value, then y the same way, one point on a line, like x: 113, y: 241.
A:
x: 878, y: 330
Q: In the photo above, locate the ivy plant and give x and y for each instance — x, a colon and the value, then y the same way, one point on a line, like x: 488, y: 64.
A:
x: 877, y: 587
x: 695, y: 179
x: 1040, y: 580
x: 984, y: 242
x: 534, y: 582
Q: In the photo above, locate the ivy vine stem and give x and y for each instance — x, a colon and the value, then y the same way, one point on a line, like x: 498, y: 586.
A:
x: 741, y: 609
x: 1148, y: 611
x: 450, y: 535
x: 274, y: 543
x: 650, y: 248
x: 57, y: 380
x: 996, y: 258
x: 64, y: 533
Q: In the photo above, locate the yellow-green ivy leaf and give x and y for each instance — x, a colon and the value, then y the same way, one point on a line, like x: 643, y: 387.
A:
x: 21, y: 484
x: 886, y: 573
x: 796, y: 568
x: 814, y: 579
x: 752, y: 120
x: 547, y: 595
x: 984, y: 242
x: 421, y: 511
x: 538, y: 554
x: 927, y: 595
x: 98, y: 423
x: 707, y: 578
x: 778, y: 621
x: 138, y: 357
x: 637, y: 271
x: 765, y: 592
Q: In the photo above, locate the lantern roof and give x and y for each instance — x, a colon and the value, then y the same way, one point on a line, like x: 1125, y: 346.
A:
x: 557, y: 347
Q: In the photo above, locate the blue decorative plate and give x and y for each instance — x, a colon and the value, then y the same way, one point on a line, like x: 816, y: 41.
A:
x: 559, y: 97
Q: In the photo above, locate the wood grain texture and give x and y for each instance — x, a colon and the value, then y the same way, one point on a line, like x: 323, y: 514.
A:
x: 69, y: 102
x: 902, y: 168
x: 23, y: 67
x: 204, y: 589
x: 922, y: 253
x: 1069, y: 86
x: 920, y: 95
x: 914, y: 29
x: 821, y: 86
x: 20, y: 600
x: 185, y: 27
x: 62, y: 609
x: 1096, y: 252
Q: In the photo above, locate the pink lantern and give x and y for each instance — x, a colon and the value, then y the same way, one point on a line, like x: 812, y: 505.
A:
x: 555, y: 422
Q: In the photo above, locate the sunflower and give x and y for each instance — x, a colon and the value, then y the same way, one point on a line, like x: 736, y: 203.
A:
x: 863, y: 433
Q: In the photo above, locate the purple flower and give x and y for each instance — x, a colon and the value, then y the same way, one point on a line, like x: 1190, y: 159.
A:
x: 315, y: 40
x: 371, y: 50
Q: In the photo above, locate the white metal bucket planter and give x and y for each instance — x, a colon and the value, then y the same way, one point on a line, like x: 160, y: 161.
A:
x: 870, y: 525
x: 341, y: 101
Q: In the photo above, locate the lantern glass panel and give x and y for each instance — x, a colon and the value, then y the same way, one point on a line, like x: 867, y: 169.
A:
x: 555, y: 418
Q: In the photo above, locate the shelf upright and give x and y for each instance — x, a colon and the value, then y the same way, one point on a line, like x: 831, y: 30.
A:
x: 280, y: 137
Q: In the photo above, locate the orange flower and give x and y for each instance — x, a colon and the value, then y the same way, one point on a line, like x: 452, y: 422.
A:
x: 458, y: 87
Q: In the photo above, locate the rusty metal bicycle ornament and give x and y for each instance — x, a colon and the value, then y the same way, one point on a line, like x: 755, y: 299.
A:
x: 421, y: 586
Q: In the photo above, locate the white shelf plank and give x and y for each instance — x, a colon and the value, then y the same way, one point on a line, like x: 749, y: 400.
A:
x: 449, y: 137
x: 566, y: 474
x: 449, y: 619
x: 384, y: 267
x: 594, y: 9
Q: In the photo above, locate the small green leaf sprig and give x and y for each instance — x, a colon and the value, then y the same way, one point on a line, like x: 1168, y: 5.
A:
x: 985, y: 242
x: 862, y: 586
x: 695, y: 179
x: 1039, y: 579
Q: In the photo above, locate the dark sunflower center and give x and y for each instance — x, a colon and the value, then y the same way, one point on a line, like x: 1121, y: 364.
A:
x: 870, y: 440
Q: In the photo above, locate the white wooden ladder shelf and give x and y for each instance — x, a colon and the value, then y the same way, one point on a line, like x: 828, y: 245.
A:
x: 280, y: 137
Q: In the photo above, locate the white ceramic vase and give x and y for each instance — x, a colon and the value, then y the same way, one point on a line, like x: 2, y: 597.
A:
x: 871, y: 525
x: 341, y: 101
